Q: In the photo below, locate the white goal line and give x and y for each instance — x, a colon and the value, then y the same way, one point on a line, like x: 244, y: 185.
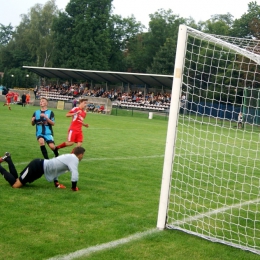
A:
x: 109, y: 245
x: 113, y: 244
x: 216, y: 211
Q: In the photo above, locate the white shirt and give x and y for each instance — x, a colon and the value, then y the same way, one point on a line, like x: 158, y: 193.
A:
x: 61, y: 164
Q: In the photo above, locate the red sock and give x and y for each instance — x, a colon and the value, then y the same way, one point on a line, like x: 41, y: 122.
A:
x: 61, y: 145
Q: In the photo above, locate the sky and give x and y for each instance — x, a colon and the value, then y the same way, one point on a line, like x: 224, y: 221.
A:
x: 10, y: 10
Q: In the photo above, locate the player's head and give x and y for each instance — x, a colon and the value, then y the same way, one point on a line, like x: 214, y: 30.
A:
x: 43, y: 102
x: 79, y: 152
x: 83, y: 103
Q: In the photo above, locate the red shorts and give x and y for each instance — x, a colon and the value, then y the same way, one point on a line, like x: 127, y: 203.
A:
x: 75, y: 136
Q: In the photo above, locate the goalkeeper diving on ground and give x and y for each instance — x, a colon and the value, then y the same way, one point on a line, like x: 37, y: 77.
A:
x: 50, y: 168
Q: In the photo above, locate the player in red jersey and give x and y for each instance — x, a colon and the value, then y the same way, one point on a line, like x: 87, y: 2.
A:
x: 8, y: 98
x: 75, y: 134
x: 16, y: 95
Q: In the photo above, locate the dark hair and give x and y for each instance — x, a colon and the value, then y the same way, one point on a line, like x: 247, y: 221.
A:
x: 78, y: 150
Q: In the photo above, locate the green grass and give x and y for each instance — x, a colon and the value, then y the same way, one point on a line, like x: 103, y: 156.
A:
x: 120, y: 178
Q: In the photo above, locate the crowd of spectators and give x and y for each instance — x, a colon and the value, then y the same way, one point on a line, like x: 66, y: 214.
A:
x: 79, y: 90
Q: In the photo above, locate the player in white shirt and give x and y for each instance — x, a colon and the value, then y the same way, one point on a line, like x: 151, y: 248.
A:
x: 50, y: 168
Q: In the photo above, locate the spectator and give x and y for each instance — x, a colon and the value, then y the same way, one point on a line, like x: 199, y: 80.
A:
x: 91, y: 107
x: 23, y: 99
x: 74, y: 103
x: 101, y: 109
x: 240, y: 120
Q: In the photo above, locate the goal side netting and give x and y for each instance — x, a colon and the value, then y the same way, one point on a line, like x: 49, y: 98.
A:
x: 211, y: 172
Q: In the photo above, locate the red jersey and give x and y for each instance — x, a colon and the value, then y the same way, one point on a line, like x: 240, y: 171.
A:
x: 16, y: 97
x: 9, y: 97
x: 77, y: 120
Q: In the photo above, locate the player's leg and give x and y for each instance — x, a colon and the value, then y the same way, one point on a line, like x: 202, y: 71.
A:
x: 54, y: 149
x: 7, y: 158
x: 71, y: 137
x: 78, y: 140
x: 32, y: 172
x: 41, y: 142
x: 7, y: 175
x: 50, y: 141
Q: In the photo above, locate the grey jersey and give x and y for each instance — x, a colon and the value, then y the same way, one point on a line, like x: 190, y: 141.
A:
x: 54, y: 167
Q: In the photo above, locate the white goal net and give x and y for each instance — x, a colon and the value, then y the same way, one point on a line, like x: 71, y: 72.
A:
x: 211, y: 172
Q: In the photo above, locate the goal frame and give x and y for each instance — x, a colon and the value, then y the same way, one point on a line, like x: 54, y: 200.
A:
x: 172, y: 125
x: 171, y: 136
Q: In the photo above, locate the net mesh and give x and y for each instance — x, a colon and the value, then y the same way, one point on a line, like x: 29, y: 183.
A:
x: 214, y: 190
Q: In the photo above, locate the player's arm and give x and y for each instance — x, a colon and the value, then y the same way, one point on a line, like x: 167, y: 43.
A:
x: 48, y: 120
x: 72, y: 113
x: 52, y: 118
x: 73, y: 167
x: 33, y: 122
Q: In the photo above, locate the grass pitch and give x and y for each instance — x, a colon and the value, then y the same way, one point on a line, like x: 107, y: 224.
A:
x: 120, y: 178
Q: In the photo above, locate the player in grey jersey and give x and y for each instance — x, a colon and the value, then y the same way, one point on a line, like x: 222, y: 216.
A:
x: 51, y: 169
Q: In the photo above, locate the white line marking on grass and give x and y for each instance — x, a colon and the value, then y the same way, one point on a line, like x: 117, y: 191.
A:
x: 216, y: 211
x: 109, y: 245
x: 111, y: 158
x: 123, y: 158
x: 112, y: 244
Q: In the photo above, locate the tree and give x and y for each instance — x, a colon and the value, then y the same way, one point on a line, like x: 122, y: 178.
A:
x: 90, y: 34
x: 6, y: 33
x: 31, y: 42
x: 162, y: 32
x: 35, y: 32
x: 163, y: 62
x: 122, y: 30
x: 248, y: 25
x: 220, y: 24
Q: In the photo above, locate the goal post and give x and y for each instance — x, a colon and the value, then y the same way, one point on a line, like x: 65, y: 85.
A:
x: 211, y: 171
x: 171, y: 132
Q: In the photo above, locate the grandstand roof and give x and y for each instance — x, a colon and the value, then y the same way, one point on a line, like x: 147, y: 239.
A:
x: 154, y: 80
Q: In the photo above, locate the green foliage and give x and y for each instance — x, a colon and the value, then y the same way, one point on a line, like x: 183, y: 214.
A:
x: 90, y: 40
x: 20, y: 78
x: 6, y: 33
x: 122, y: 30
x: 163, y: 62
x: 87, y: 35
x: 34, y: 33
x: 249, y: 24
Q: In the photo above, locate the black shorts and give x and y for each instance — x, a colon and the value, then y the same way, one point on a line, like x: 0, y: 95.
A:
x: 32, y: 172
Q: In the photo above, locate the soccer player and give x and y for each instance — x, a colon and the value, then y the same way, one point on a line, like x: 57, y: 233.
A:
x: 75, y: 134
x: 8, y: 98
x: 44, y: 121
x: 16, y: 95
x: 28, y: 97
x: 51, y: 169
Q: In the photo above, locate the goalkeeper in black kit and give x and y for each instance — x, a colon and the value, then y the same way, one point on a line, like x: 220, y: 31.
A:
x: 50, y: 168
